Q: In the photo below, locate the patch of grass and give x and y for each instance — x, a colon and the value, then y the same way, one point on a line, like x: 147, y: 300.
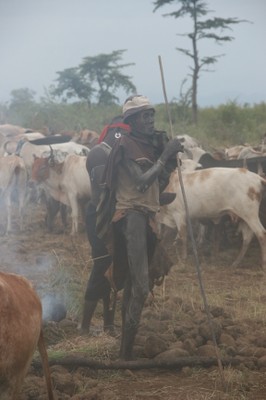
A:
x: 95, y: 347
x: 239, y: 292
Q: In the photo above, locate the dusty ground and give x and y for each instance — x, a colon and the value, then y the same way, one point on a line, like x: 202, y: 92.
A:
x: 174, y: 324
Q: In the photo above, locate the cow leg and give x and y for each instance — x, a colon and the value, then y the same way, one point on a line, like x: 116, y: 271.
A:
x: 247, y: 236
x: 218, y: 236
x: 182, y: 233
x: 74, y: 228
x: 9, y: 213
x: 74, y: 213
x: 16, y: 384
x: 21, y: 206
x: 21, y: 192
x: 201, y: 234
x: 63, y: 213
x: 52, y: 208
x: 262, y: 242
x: 258, y: 229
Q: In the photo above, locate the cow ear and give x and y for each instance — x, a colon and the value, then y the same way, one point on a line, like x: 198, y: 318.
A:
x: 167, y: 198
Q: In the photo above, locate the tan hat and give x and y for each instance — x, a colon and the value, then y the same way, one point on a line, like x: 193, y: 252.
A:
x: 135, y: 104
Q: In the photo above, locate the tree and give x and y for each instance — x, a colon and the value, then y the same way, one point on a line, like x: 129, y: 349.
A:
x: 201, y: 29
x: 98, y: 78
x: 72, y: 84
x: 22, y: 106
x: 105, y: 71
x: 21, y: 97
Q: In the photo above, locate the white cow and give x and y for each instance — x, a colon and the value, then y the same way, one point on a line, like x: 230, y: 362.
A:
x: 232, y: 153
x: 193, y: 153
x: 13, y: 180
x: 250, y: 152
x: 188, y: 141
x: 9, y: 145
x: 212, y: 193
x: 190, y: 144
x: 9, y: 130
x: 67, y: 182
x: 28, y: 151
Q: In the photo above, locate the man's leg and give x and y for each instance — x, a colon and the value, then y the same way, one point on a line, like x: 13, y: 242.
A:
x: 88, y: 311
x: 98, y: 286
x: 137, y: 288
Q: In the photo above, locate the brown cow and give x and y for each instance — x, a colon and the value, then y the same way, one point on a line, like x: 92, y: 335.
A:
x: 20, y: 334
x: 86, y: 137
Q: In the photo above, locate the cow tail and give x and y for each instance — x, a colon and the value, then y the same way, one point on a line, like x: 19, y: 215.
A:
x: 45, y: 365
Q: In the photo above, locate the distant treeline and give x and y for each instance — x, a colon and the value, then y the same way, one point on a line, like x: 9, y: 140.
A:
x: 227, y: 124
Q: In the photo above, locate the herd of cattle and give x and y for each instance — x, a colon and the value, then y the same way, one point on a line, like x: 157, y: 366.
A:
x: 227, y: 183
x: 208, y: 187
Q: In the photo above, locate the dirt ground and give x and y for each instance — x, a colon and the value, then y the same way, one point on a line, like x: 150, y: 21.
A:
x: 175, y: 336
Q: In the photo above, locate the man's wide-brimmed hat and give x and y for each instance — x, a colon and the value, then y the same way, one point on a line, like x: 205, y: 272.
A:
x: 135, y: 104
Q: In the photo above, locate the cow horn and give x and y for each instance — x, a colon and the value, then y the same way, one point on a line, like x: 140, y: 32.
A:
x: 6, y: 144
x: 51, y: 158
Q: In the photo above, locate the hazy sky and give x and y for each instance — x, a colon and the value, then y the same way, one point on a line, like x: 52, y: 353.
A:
x: 40, y: 37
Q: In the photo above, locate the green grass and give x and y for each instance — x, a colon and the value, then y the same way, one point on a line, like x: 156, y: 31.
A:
x: 224, y: 125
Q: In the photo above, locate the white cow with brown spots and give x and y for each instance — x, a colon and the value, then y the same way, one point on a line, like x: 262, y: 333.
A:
x: 20, y: 334
x: 215, y: 192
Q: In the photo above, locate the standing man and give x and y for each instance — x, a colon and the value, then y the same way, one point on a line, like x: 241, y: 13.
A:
x: 137, y: 171
x: 98, y: 286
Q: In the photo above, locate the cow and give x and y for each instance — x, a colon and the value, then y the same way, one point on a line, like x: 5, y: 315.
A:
x: 8, y: 145
x: 9, y: 130
x: 250, y: 152
x: 67, y: 182
x: 255, y: 164
x: 188, y: 141
x: 232, y: 153
x: 20, y: 334
x: 86, y: 137
x: 13, y: 180
x: 193, y: 153
x: 27, y: 151
x: 213, y: 193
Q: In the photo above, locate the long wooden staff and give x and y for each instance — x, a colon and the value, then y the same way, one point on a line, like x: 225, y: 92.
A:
x: 194, y: 247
